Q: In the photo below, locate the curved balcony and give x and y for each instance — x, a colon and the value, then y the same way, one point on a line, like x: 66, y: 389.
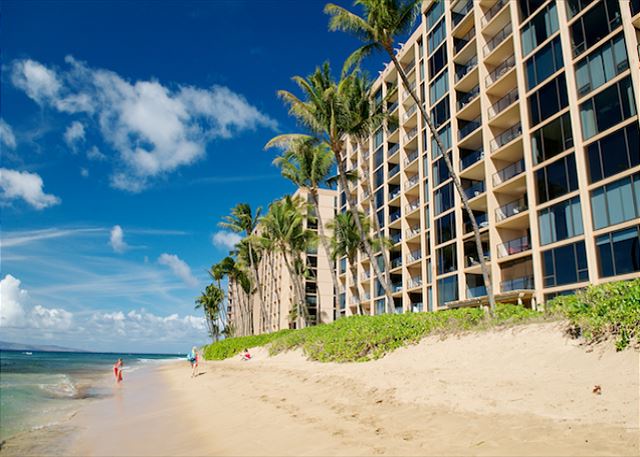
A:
x: 506, y: 137
x: 511, y: 209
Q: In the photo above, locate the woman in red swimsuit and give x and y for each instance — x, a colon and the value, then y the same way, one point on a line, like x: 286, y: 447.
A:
x: 117, y: 370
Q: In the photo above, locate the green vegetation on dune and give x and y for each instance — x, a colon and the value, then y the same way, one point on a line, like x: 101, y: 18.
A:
x: 599, y: 312
x: 232, y: 346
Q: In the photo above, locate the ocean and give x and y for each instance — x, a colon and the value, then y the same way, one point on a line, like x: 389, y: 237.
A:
x: 43, y: 389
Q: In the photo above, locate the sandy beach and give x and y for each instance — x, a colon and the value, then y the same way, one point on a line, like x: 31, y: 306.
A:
x: 521, y: 391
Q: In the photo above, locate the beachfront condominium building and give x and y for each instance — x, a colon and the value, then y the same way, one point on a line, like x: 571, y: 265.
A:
x: 536, y: 103
x: 249, y: 316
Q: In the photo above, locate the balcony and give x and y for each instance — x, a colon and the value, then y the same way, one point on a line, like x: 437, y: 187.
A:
x: 522, y: 283
x: 464, y: 69
x: 365, y: 276
x: 410, y: 112
x: 394, y: 170
x: 460, y: 43
x: 412, y: 206
x: 408, y: 68
x: 506, y: 136
x: 491, y: 12
x: 497, y: 39
x: 500, y: 70
x: 474, y: 190
x: 481, y: 220
x: 394, y: 216
x: 393, y: 149
x: 503, y: 103
x: 412, y: 232
x: 475, y: 292
x: 462, y: 12
x: 469, y: 127
x: 511, y: 209
x: 414, y: 180
x: 414, y: 256
x: 508, y: 172
x: 393, y: 193
x: 396, y: 287
x: 414, y: 282
x: 465, y: 98
x: 471, y: 158
x: 515, y: 246
x: 391, y: 108
x: 396, y: 263
x: 365, y: 296
x: 410, y: 157
x: 411, y: 134
x: 407, y: 92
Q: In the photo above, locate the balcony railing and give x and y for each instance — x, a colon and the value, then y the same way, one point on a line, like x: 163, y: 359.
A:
x: 497, y: 39
x: 414, y: 256
x: 414, y: 282
x: 394, y: 216
x: 459, y: 15
x: 508, y: 172
x: 407, y: 92
x: 415, y: 179
x: 393, y: 149
x: 462, y: 70
x: 410, y: 112
x: 396, y: 238
x: 481, y: 220
x: 511, y: 209
x: 515, y: 246
x: 365, y: 296
x: 475, y: 292
x: 397, y: 287
x: 472, y: 158
x: 394, y: 194
x: 491, y: 12
x: 394, y: 170
x: 523, y: 283
x: 506, y: 136
x: 469, y: 127
x: 397, y: 262
x: 464, y: 98
x: 474, y: 190
x: 394, y: 106
x: 411, y: 232
x: 472, y: 260
x: 412, y: 206
x: 365, y: 276
x: 411, y: 156
x: 500, y: 70
x: 460, y: 43
x: 411, y: 134
x: 408, y: 68
x: 503, y: 103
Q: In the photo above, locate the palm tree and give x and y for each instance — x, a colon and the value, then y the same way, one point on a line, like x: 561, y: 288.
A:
x: 334, y: 111
x: 217, y: 273
x: 239, y: 280
x: 382, y: 22
x: 210, y: 302
x: 242, y: 220
x: 308, y: 164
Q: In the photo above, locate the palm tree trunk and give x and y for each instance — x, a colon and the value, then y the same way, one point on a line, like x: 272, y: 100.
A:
x: 294, y: 282
x: 327, y: 250
x: 354, y: 278
x: 254, y: 270
x: 342, y: 177
x: 456, y: 181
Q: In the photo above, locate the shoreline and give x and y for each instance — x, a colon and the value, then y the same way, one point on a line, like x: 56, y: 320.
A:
x: 519, y: 391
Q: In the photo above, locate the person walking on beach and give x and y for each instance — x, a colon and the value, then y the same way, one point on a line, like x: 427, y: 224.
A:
x: 193, y: 359
x: 117, y: 370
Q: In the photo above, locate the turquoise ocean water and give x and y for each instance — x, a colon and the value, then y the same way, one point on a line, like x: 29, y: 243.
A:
x: 41, y: 389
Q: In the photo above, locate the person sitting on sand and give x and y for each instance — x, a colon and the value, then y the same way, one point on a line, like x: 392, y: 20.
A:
x: 193, y: 359
x: 117, y: 370
x: 246, y: 356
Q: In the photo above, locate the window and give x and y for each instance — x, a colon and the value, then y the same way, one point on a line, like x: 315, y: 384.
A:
x: 436, y: 36
x: 560, y: 221
x: 542, y: 26
x: 527, y: 7
x: 446, y: 259
x: 434, y: 13
x: 616, y: 202
x: 437, y: 61
x: 440, y: 113
x: 379, y: 197
x: 544, y: 63
x: 378, y: 157
x: 614, y: 153
x: 447, y: 290
x: 607, y: 108
x: 548, y: 100
x: 439, y: 87
x: 378, y: 137
x: 575, y: 6
x: 594, y: 25
x: 445, y: 137
x: 602, y: 65
x: 380, y: 216
x: 445, y: 228
x: 443, y: 198
x: 440, y: 171
x: 377, y: 98
x: 552, y: 139
x: 619, y: 252
x: 378, y: 177
x: 556, y: 179
x: 565, y: 265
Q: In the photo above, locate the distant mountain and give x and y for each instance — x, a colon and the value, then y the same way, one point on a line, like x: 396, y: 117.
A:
x: 6, y: 346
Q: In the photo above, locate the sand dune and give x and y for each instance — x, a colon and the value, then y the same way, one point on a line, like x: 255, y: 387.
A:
x: 521, y: 391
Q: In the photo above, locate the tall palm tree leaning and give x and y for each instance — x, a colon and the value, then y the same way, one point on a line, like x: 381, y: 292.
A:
x: 380, y: 26
x: 308, y: 164
x: 334, y: 111
x: 242, y: 220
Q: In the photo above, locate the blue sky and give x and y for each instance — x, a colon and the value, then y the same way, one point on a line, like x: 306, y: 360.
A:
x: 128, y: 130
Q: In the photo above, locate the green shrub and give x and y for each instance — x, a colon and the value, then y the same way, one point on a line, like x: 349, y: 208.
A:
x: 231, y: 346
x: 603, y: 311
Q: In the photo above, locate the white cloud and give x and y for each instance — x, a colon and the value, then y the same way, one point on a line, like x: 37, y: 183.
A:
x: 84, y: 172
x: 74, y: 133
x: 141, y: 324
x: 27, y: 186
x: 6, y: 135
x: 116, y: 239
x: 94, y: 154
x: 225, y: 240
x: 19, y: 238
x: 15, y: 312
x: 179, y: 268
x: 154, y: 128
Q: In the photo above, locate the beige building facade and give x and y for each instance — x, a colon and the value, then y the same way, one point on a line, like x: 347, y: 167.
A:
x: 277, y: 286
x: 537, y: 104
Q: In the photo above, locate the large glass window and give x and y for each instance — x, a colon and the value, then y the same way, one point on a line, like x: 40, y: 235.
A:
x: 575, y: 6
x: 378, y: 138
x: 607, y: 108
x: 619, y: 252
x: 437, y: 61
x: 602, y: 65
x: 544, y: 63
x: 538, y: 29
x: 560, y: 221
x: 446, y: 259
x: 565, y: 265
x: 594, y: 25
x: 548, y: 100
x: 447, y: 290
x: 443, y: 198
x: 527, y: 7
x: 439, y: 87
x: 441, y: 113
x: 435, y: 12
x: 445, y: 228
x: 614, y: 153
x: 556, y: 179
x: 552, y: 139
x: 440, y: 171
x: 437, y: 36
x: 616, y: 202
x: 445, y: 137
x: 378, y: 157
x: 378, y: 177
